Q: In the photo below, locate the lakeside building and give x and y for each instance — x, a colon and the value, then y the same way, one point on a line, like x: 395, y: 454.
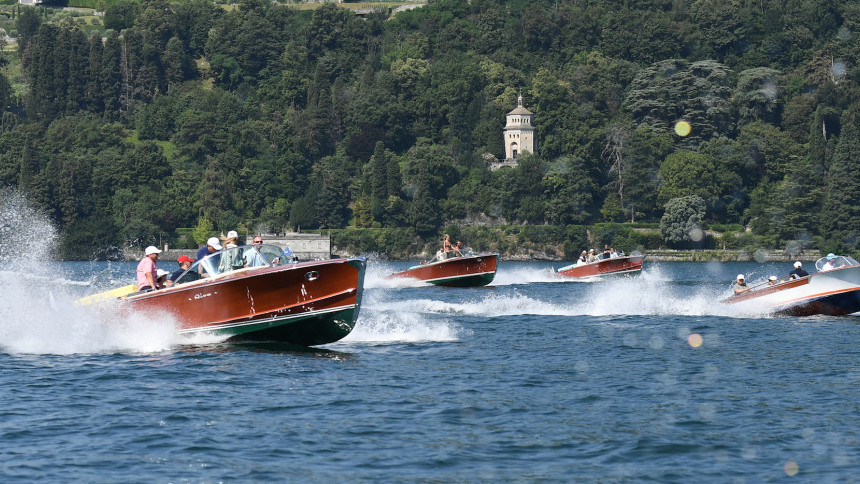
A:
x: 519, y: 135
x: 304, y: 246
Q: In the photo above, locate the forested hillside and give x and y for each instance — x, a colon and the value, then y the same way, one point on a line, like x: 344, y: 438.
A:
x: 171, y: 121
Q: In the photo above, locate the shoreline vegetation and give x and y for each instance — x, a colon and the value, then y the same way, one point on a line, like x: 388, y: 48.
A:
x: 659, y: 255
x: 544, y: 243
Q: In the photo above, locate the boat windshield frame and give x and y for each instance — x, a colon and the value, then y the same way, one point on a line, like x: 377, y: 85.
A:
x: 443, y: 256
x: 233, y: 259
x: 835, y: 263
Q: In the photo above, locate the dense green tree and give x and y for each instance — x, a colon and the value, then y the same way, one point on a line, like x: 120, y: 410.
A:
x: 121, y: 15
x: 93, y: 98
x: 840, y: 215
x: 5, y: 93
x: 28, y: 23
x: 111, y: 78
x: 805, y: 184
x: 570, y: 196
x: 673, y: 90
x: 758, y: 96
x: 177, y: 65
x: 682, y: 221
x: 423, y: 210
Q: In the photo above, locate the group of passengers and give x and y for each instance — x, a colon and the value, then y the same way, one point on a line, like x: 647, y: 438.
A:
x: 449, y: 250
x: 740, y: 284
x: 150, y: 278
x: 591, y: 256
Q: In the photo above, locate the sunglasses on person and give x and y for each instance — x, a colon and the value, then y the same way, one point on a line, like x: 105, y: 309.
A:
x: 258, y: 241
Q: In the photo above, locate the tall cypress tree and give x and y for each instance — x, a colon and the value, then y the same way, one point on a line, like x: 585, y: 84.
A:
x: 112, y: 76
x: 840, y: 219
x: 804, y: 183
x: 94, y: 95
x: 63, y: 50
x: 78, y: 71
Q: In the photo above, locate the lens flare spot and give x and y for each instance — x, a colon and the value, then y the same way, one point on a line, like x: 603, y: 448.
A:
x: 695, y: 340
x: 682, y: 128
x: 839, y: 69
x: 791, y: 468
x: 696, y: 234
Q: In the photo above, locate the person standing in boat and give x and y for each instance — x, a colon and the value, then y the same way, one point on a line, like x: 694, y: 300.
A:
x: 740, y: 285
x: 591, y: 256
x: 147, y: 273
x: 798, y: 271
x: 446, y: 246
x: 607, y: 253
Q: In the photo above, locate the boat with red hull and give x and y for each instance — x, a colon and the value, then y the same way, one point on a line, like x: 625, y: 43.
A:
x: 615, y: 265
x: 459, y: 271
x: 261, y: 294
x: 833, y: 290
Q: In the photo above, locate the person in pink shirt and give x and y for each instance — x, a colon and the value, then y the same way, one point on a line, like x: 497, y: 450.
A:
x: 147, y: 278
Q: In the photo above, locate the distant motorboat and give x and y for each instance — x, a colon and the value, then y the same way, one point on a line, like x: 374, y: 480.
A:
x: 833, y: 290
x: 623, y: 264
x: 458, y: 270
x: 257, y: 292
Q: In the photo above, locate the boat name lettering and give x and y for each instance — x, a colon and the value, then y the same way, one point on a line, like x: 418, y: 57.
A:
x: 201, y: 296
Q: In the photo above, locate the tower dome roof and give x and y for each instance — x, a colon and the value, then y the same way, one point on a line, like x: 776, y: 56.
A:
x: 520, y: 109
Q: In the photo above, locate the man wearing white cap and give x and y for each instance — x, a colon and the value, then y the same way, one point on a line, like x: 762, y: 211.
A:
x: 798, y: 271
x: 147, y: 273
x: 740, y: 285
x: 212, y: 245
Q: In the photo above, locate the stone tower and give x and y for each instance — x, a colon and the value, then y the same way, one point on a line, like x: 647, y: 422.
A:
x: 519, y: 134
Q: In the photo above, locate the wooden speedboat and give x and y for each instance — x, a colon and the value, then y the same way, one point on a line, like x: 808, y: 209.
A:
x: 457, y: 271
x: 257, y: 292
x: 615, y: 265
x: 833, y: 290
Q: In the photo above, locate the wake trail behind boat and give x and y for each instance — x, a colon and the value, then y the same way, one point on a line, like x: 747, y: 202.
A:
x: 647, y: 294
x: 39, y: 314
x: 382, y: 322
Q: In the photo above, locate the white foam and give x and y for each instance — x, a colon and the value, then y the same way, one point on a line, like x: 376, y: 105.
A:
x: 39, y: 314
x: 506, y: 276
x: 38, y: 320
x: 398, y: 321
x: 376, y: 276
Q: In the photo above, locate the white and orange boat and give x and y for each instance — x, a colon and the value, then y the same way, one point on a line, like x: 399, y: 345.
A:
x: 833, y: 290
x: 469, y: 270
x: 623, y: 264
x: 258, y: 292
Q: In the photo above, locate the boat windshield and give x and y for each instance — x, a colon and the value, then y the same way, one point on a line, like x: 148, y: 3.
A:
x: 825, y: 264
x: 442, y: 256
x: 236, y: 258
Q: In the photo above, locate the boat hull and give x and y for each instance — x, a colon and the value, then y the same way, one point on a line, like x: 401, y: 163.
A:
x: 308, y: 303
x: 468, y: 271
x: 835, y: 293
x: 617, y: 265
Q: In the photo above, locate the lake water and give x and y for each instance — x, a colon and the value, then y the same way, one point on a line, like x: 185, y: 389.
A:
x: 632, y: 379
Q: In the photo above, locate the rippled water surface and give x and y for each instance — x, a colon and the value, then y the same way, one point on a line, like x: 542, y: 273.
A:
x: 632, y: 379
